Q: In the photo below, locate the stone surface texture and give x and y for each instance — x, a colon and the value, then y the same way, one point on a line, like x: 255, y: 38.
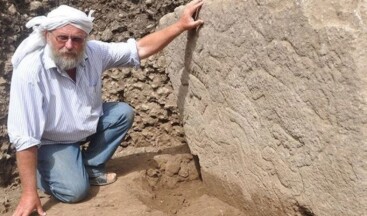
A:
x: 273, y: 98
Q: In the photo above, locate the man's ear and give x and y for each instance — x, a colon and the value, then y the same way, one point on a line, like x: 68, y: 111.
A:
x: 46, y: 34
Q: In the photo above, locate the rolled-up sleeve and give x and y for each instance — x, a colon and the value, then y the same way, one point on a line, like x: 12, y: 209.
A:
x: 26, y: 118
x: 135, y: 59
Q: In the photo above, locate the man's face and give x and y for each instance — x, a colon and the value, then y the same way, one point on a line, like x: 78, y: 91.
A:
x: 67, y: 46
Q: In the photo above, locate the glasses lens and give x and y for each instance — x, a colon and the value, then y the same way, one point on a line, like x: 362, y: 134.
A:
x: 65, y: 38
x: 77, y: 39
x: 62, y: 38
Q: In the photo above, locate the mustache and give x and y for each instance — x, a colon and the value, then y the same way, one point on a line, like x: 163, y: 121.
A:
x: 65, y: 51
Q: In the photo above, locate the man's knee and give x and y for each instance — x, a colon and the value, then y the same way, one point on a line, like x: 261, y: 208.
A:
x: 72, y: 194
x: 122, y: 112
x: 127, y: 112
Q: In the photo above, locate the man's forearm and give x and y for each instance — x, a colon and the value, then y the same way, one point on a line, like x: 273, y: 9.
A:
x: 156, y: 41
x: 27, y: 164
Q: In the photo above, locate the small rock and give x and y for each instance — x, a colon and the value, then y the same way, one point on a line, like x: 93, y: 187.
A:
x: 35, y: 6
x: 138, y: 85
x: 184, y: 171
x: 173, y: 167
x: 8, y: 67
x: 12, y: 10
x: 107, y: 35
x: 150, y: 12
x: 153, y: 96
x: 154, y: 173
x: 2, y: 81
x: 157, y: 82
x: 144, y: 107
x: 161, y: 62
x: 163, y: 91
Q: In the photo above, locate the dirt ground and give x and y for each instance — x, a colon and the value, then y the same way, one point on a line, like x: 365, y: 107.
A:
x: 135, y: 193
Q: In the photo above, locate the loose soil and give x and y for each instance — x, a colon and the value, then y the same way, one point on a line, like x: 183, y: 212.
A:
x: 134, y: 194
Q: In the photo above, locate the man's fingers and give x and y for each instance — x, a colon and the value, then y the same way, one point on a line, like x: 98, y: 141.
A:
x: 198, y: 5
x: 195, y: 5
x: 194, y: 9
x: 40, y: 211
x: 196, y: 2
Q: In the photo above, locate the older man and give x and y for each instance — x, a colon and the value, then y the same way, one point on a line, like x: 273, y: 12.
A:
x: 55, y: 103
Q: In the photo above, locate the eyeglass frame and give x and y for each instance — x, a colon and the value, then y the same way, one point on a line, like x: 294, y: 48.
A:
x: 65, y: 38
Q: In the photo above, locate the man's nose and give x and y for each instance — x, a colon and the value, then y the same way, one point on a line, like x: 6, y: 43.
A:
x: 69, y: 44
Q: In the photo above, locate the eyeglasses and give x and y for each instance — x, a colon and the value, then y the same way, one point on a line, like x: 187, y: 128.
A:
x: 65, y: 38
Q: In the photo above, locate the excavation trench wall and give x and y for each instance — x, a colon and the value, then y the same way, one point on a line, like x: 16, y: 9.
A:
x: 273, y: 101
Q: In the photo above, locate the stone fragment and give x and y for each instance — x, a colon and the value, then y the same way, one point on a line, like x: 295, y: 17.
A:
x: 172, y: 167
x: 12, y: 9
x: 35, y: 6
x: 107, y: 35
x: 148, y: 2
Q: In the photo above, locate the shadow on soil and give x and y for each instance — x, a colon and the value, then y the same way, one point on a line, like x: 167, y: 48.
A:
x: 123, y: 165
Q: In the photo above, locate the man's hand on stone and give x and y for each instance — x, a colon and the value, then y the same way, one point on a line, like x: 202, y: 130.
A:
x: 187, y: 20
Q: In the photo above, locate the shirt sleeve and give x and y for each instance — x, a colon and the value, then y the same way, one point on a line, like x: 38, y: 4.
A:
x: 26, y: 118
x: 122, y: 54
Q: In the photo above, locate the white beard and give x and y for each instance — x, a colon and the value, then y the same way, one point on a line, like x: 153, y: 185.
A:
x: 64, y: 59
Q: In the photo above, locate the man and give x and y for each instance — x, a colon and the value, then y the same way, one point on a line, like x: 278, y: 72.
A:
x: 55, y: 103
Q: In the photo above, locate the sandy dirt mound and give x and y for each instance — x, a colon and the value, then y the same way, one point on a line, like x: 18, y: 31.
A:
x: 148, y: 184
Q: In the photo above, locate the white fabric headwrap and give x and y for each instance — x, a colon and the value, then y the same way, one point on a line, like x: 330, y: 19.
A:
x: 59, y: 17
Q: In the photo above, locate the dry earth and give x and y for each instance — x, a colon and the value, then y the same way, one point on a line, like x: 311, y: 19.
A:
x: 148, y: 184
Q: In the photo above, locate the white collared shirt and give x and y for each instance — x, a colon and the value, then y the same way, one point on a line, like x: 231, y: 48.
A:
x: 47, y: 106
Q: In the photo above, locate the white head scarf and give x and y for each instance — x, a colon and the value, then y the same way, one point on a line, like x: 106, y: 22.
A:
x: 59, y: 17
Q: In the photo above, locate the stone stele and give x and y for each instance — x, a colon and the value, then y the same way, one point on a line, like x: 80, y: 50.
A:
x: 273, y: 98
